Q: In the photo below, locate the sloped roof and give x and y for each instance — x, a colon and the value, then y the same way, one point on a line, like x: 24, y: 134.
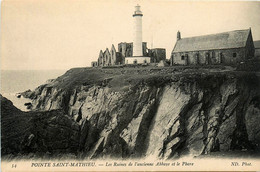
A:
x: 225, y: 40
x: 257, y: 44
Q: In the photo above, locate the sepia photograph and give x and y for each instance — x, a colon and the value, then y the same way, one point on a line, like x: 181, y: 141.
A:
x: 130, y: 85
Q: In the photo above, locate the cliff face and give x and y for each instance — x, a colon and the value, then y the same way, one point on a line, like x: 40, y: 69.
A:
x: 163, y: 116
x: 40, y: 133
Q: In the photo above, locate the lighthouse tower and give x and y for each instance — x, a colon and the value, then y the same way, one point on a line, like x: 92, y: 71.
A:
x: 137, y: 42
x: 137, y: 57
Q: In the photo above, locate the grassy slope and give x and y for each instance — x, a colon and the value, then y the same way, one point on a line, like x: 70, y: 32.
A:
x: 118, y: 78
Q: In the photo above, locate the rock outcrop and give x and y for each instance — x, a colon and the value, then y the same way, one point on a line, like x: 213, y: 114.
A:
x: 42, y: 133
x: 122, y: 114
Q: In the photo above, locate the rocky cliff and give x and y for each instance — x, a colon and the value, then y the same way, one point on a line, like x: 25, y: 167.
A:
x: 37, y: 134
x: 163, y: 113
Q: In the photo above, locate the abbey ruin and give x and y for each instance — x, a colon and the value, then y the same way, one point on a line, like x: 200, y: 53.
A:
x: 112, y: 57
x: 135, y: 52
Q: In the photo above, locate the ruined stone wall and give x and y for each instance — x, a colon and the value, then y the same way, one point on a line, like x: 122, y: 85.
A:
x: 119, y: 59
x: 107, y: 58
x: 157, y: 54
x: 100, y: 59
x: 125, y: 49
x: 113, y: 56
x: 94, y: 64
x: 145, y: 49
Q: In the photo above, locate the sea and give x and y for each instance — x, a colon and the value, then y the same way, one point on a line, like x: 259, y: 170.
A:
x: 17, y: 81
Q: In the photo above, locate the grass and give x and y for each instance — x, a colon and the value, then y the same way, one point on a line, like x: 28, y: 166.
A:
x: 121, y: 78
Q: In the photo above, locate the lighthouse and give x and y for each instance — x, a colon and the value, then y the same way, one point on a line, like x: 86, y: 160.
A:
x: 137, y: 57
x: 137, y: 42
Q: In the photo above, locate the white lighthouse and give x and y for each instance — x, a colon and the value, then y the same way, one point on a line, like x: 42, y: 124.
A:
x: 137, y: 57
x: 137, y: 42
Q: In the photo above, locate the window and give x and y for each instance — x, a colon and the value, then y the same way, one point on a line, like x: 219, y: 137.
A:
x: 145, y: 61
x: 197, y: 58
x: 234, y: 54
x: 213, y: 54
x: 182, y: 57
x: 221, y: 57
x: 135, y: 61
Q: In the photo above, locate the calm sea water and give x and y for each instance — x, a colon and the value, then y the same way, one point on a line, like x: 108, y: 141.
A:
x: 16, y: 81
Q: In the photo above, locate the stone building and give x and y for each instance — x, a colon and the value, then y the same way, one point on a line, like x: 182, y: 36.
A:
x: 94, y: 64
x: 109, y: 58
x: 157, y: 54
x: 113, y: 57
x: 222, y: 48
x: 257, y: 48
x: 126, y: 49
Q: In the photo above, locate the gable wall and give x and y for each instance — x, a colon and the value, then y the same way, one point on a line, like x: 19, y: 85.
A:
x: 113, y: 56
x: 250, y: 49
x: 101, y: 59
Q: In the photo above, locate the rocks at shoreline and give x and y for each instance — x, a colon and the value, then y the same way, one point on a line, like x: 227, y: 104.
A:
x: 27, y: 94
x: 41, y: 133
x: 28, y: 105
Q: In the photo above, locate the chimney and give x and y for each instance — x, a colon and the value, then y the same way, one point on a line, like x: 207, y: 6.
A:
x: 178, y: 35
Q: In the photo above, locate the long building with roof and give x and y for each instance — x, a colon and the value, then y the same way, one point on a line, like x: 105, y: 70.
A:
x: 223, y: 48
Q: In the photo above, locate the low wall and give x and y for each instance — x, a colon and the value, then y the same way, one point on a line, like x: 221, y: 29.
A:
x: 137, y: 60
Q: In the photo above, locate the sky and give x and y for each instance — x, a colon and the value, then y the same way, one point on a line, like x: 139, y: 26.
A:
x: 62, y: 34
